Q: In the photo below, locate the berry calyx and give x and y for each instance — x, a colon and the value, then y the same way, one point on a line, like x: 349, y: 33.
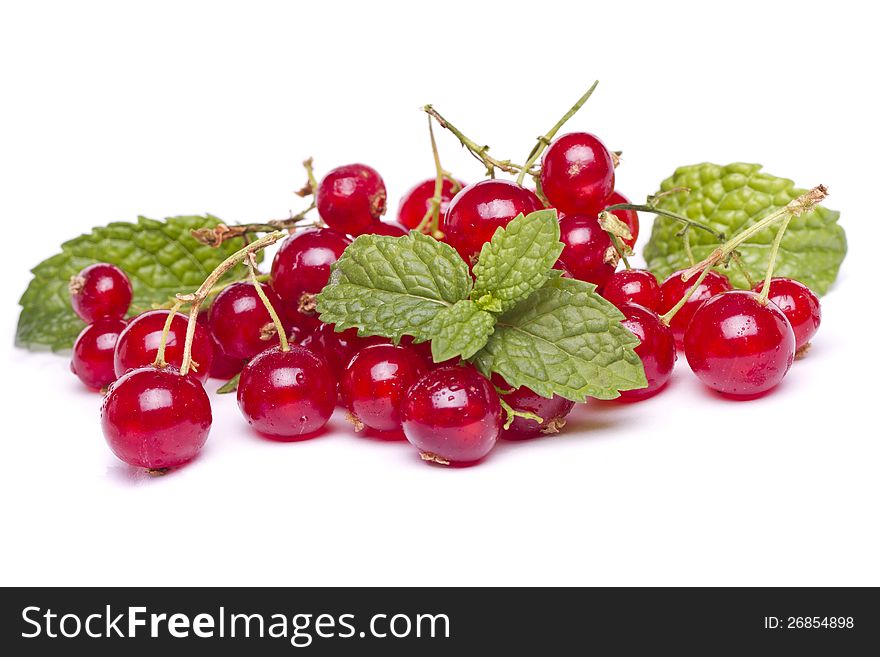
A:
x: 240, y: 322
x: 633, y: 286
x: 351, y: 198
x: 739, y: 345
x: 674, y: 288
x: 629, y: 217
x: 552, y: 411
x: 478, y: 210
x: 800, y: 306
x: 656, y: 349
x: 100, y: 290
x: 301, y: 269
x: 375, y: 382
x: 577, y: 174
x: 416, y: 203
x: 588, y: 254
x: 452, y: 415
x: 155, y: 418
x: 287, y: 394
x: 92, y: 359
x: 139, y: 343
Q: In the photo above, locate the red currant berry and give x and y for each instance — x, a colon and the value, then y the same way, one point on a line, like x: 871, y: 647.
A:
x: 338, y: 348
x: 674, y: 288
x: 800, y: 306
x: 657, y: 349
x: 552, y: 411
x: 629, y: 217
x: 139, y: 343
x: 588, y: 254
x: 239, y: 321
x: 375, y: 382
x: 92, y: 359
x: 301, y: 269
x: 633, y: 286
x: 287, y: 394
x: 739, y: 346
x: 154, y: 418
x: 100, y: 290
x: 452, y: 415
x: 416, y: 203
x: 480, y: 209
x: 389, y: 228
x: 577, y: 174
x: 222, y: 366
x: 351, y: 198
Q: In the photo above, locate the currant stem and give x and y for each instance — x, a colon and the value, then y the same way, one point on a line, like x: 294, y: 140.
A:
x: 166, y: 328
x: 774, y: 251
x: 666, y: 213
x: 432, y: 216
x: 279, y: 327
x: 545, y: 140
x: 512, y: 414
x: 196, y: 298
x: 221, y: 233
x: 479, y: 152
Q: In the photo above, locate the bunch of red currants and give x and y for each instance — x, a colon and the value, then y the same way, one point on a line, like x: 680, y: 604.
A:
x: 737, y: 342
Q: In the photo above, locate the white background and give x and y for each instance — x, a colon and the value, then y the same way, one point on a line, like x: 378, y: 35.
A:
x: 110, y: 110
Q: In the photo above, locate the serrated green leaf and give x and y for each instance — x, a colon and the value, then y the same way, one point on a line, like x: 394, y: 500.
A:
x: 516, y: 261
x: 564, y: 339
x: 160, y: 258
x: 461, y: 330
x: 731, y: 198
x: 393, y: 286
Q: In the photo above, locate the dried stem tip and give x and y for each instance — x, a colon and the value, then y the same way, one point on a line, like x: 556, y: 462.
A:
x: 805, y: 202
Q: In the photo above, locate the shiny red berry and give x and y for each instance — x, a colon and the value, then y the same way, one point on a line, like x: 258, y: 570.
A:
x: 478, y: 210
x: 389, y: 228
x: 301, y: 269
x: 240, y: 322
x: 739, y: 346
x: 139, y: 343
x: 452, y: 415
x: 100, y: 290
x: 416, y: 203
x: 674, y: 288
x: 657, y: 349
x: 633, y: 286
x: 351, y: 198
x: 92, y: 359
x: 552, y: 411
x: 588, y: 254
x: 155, y: 418
x: 375, y: 381
x: 338, y: 348
x: 629, y: 217
x: 222, y: 366
x: 287, y: 394
x: 577, y: 174
x: 800, y: 306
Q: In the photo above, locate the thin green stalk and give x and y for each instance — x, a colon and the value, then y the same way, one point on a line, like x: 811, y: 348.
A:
x: 774, y: 251
x: 279, y: 327
x: 166, y: 328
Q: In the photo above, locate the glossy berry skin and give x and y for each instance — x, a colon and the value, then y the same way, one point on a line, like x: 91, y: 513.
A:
x: 287, y: 394
x: 657, y: 349
x: 301, y: 269
x: 629, y: 217
x: 416, y: 203
x: 239, y: 321
x: 800, y: 306
x: 577, y: 174
x: 374, y: 383
x: 633, y: 286
x: 92, y: 359
x: 587, y: 247
x: 351, y: 198
x: 552, y: 411
x: 154, y: 418
x: 222, y: 366
x: 674, y: 288
x: 338, y: 348
x: 478, y: 210
x: 100, y: 290
x: 139, y: 343
x: 739, y: 346
x: 452, y: 415
x: 389, y: 228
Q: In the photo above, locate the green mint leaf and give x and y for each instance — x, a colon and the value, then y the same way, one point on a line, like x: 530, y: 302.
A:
x: 461, y: 330
x: 516, y: 261
x: 564, y: 339
x: 730, y: 198
x: 393, y: 286
x: 160, y: 258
